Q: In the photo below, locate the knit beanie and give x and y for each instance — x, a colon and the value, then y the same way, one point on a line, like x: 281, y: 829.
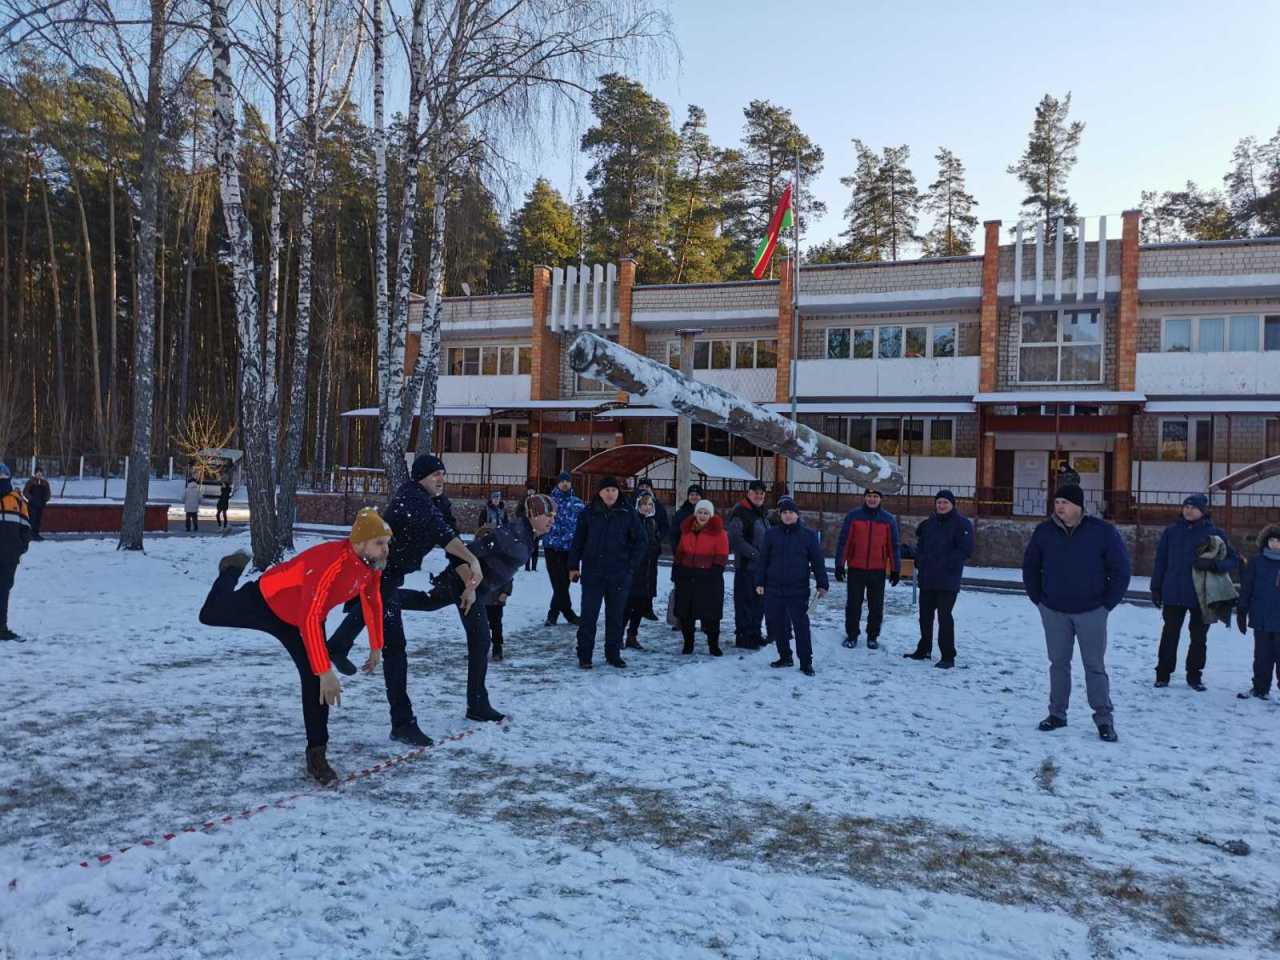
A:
x: 756, y: 485
x: 369, y: 524
x: 1072, y: 493
x: 694, y: 488
x: 787, y: 503
x: 705, y: 506
x: 565, y: 477
x: 946, y: 495
x: 539, y: 505
x: 610, y: 482
x: 425, y: 465
x: 1197, y: 500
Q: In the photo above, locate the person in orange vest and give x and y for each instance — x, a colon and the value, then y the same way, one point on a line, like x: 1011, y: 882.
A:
x: 868, y: 549
x: 290, y: 602
x: 15, y: 536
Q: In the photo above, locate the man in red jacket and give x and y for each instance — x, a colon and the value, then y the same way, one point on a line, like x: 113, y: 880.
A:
x: 868, y: 549
x: 291, y: 600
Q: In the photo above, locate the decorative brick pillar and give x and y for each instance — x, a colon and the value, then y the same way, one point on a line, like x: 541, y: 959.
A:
x: 544, y: 379
x: 786, y: 351
x: 629, y: 335
x: 989, y: 324
x: 1127, y: 320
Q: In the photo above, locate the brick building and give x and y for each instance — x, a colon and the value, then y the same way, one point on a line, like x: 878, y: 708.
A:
x: 1151, y: 368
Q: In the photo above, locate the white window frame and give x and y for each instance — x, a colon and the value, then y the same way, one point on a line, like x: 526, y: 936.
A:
x: 1193, y: 450
x: 1195, y: 318
x: 517, y: 351
x: 673, y: 347
x: 1059, y: 344
x: 930, y: 329
x: 875, y: 419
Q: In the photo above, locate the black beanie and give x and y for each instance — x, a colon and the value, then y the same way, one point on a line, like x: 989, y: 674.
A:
x: 610, y: 482
x: 693, y: 488
x: 425, y: 465
x: 1071, y: 492
x: 945, y: 495
x: 757, y: 485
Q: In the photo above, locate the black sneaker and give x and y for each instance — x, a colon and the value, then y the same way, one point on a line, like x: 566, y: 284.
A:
x: 234, y: 561
x: 551, y: 619
x: 1161, y: 682
x: 944, y: 664
x: 783, y: 662
x: 1249, y: 694
x: 318, y: 767
x: 873, y: 643
x: 1052, y: 723
x: 615, y: 662
x: 1197, y: 686
x: 917, y: 655
x: 807, y: 670
x: 338, y: 657
x: 485, y: 713
x: 849, y: 642
x: 410, y: 734
x: 1107, y: 732
x: 7, y: 634
x: 572, y: 618
x: 497, y: 654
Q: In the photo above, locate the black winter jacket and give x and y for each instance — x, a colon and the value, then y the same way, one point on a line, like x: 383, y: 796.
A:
x: 608, y: 543
x: 417, y: 526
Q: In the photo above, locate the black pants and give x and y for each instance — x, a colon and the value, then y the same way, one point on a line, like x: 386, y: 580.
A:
x: 395, y: 660
x: 748, y: 608
x: 532, y: 562
x: 1197, y: 652
x: 476, y: 624
x: 558, y: 573
x: 193, y: 521
x: 635, y: 614
x: 711, y: 628
x: 494, y: 614
x: 222, y: 515
x: 246, y: 609
x: 783, y: 614
x: 613, y: 595
x: 871, y: 584
x: 7, y: 570
x: 35, y: 511
x: 940, y: 602
x: 1266, y: 659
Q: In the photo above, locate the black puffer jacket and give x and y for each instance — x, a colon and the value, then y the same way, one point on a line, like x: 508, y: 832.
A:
x: 644, y: 581
x: 417, y: 527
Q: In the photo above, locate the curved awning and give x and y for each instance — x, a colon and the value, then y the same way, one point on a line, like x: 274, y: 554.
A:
x: 1248, y: 476
x: 630, y: 458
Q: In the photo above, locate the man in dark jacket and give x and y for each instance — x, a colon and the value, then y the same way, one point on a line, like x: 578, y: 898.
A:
x: 789, y: 553
x: 417, y: 527
x: 944, y: 542
x: 38, y: 493
x: 556, y: 545
x: 607, y: 546
x: 868, y: 548
x: 1076, y: 570
x: 1173, y: 588
x: 747, y: 528
x: 15, y: 535
x: 1259, y: 607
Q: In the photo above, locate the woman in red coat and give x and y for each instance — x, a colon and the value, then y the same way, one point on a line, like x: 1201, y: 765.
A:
x: 702, y: 552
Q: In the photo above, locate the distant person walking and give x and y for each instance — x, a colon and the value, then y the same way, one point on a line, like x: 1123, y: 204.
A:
x: 1259, y: 608
x: 224, y: 502
x: 15, y: 535
x: 789, y: 554
x: 38, y: 494
x: 944, y: 542
x: 868, y: 550
x: 1076, y: 570
x: 556, y: 546
x: 191, y: 504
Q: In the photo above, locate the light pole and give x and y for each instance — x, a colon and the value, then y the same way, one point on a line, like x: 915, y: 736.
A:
x: 684, y: 426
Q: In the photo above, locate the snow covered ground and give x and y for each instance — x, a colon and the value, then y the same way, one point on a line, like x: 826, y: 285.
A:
x: 687, y: 807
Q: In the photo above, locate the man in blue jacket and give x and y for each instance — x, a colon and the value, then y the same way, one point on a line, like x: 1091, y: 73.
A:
x: 608, y: 545
x: 944, y: 542
x: 1076, y: 570
x: 556, y: 546
x: 1173, y: 588
x: 790, y: 552
x: 1259, y: 607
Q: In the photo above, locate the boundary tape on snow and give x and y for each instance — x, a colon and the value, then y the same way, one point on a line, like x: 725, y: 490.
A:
x: 102, y: 859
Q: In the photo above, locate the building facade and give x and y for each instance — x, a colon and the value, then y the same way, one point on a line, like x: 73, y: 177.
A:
x: 1149, y: 369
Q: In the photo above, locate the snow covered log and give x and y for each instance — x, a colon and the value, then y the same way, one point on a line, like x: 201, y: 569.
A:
x: 600, y: 359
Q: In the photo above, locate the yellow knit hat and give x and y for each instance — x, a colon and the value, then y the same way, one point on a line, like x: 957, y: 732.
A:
x: 368, y: 525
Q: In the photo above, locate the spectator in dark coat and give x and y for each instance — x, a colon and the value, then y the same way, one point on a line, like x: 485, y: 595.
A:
x: 944, y: 542
x: 38, y: 494
x: 224, y: 503
x: 1076, y: 570
x: 15, y: 535
x: 868, y: 549
x: 1173, y: 589
x: 532, y: 562
x: 702, y: 553
x: 660, y: 515
x: 607, y: 546
x: 644, y: 581
x: 747, y: 527
x: 1259, y: 607
x: 556, y: 546
x: 790, y: 553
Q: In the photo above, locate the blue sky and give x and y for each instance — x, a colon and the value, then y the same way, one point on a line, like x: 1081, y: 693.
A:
x: 1165, y: 89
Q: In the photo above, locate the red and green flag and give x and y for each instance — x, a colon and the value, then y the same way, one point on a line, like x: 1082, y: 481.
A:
x: 781, y: 220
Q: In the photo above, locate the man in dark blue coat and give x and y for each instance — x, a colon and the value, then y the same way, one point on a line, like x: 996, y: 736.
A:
x: 747, y: 526
x: 1076, y: 570
x: 1173, y: 589
x: 944, y: 542
x: 789, y: 554
x: 1259, y: 607
x: 608, y: 545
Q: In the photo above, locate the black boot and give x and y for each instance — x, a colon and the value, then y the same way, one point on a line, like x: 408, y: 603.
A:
x: 918, y: 655
x: 714, y: 647
x: 572, y: 617
x: 551, y: 619
x: 615, y: 661
x: 872, y: 643
x: 688, y: 646
x: 497, y: 653
x: 1052, y: 723
x: 783, y: 662
x: 319, y: 767
x: 485, y: 712
x: 338, y: 656
x: 410, y: 734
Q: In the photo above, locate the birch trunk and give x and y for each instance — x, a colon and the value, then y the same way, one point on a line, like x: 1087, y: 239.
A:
x: 144, y: 333
x: 426, y: 378
x: 274, y: 292
x: 254, y: 419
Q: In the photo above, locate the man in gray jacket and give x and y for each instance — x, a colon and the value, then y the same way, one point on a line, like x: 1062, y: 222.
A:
x: 747, y: 527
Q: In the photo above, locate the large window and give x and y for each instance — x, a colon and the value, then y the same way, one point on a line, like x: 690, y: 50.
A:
x: 893, y: 436
x: 714, y: 440
x: 752, y: 354
x: 1236, y: 333
x: 1186, y: 439
x: 891, y: 341
x: 487, y: 361
x: 462, y: 437
x: 510, y: 437
x: 1060, y: 346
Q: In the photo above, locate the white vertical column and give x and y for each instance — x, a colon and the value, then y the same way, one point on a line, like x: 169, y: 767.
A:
x: 1080, y: 234
x: 570, y: 278
x: 557, y: 291
x: 597, y: 281
x: 610, y: 278
x: 1057, y: 263
x: 1040, y: 262
x: 1102, y: 258
x: 1017, y: 264
x: 582, y: 297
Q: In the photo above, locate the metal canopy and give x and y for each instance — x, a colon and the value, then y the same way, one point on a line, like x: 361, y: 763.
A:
x: 630, y: 458
x: 1247, y: 476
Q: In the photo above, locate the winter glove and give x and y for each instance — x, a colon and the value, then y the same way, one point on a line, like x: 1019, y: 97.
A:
x: 1242, y: 621
x: 1207, y: 564
x: 839, y: 574
x: 895, y: 578
x: 1155, y: 598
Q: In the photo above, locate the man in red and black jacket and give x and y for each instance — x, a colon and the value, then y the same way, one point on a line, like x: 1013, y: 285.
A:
x: 868, y: 550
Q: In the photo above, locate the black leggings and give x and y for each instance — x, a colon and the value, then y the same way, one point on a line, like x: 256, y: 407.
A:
x: 246, y: 609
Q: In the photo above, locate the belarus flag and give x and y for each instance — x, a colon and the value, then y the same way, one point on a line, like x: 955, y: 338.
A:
x: 780, y: 221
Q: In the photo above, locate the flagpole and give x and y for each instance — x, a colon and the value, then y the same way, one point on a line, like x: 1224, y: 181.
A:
x: 795, y: 314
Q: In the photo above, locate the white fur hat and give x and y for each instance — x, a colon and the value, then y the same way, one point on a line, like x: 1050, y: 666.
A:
x: 705, y: 506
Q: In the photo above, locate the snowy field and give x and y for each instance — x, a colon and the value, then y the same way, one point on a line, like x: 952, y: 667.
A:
x: 688, y: 807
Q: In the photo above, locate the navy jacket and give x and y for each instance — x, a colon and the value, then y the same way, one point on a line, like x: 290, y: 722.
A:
x: 417, y: 526
x: 608, y: 544
x: 1260, y: 593
x: 502, y: 552
x: 943, y: 544
x: 677, y: 521
x: 789, y: 554
x: 1078, y: 571
x: 1176, y: 554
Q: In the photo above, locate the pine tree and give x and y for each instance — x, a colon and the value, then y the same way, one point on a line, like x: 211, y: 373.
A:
x: 1047, y: 162
x: 901, y: 198
x: 542, y: 231
x: 952, y: 207
x: 867, y: 213
x: 697, y: 204
x: 1253, y: 187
